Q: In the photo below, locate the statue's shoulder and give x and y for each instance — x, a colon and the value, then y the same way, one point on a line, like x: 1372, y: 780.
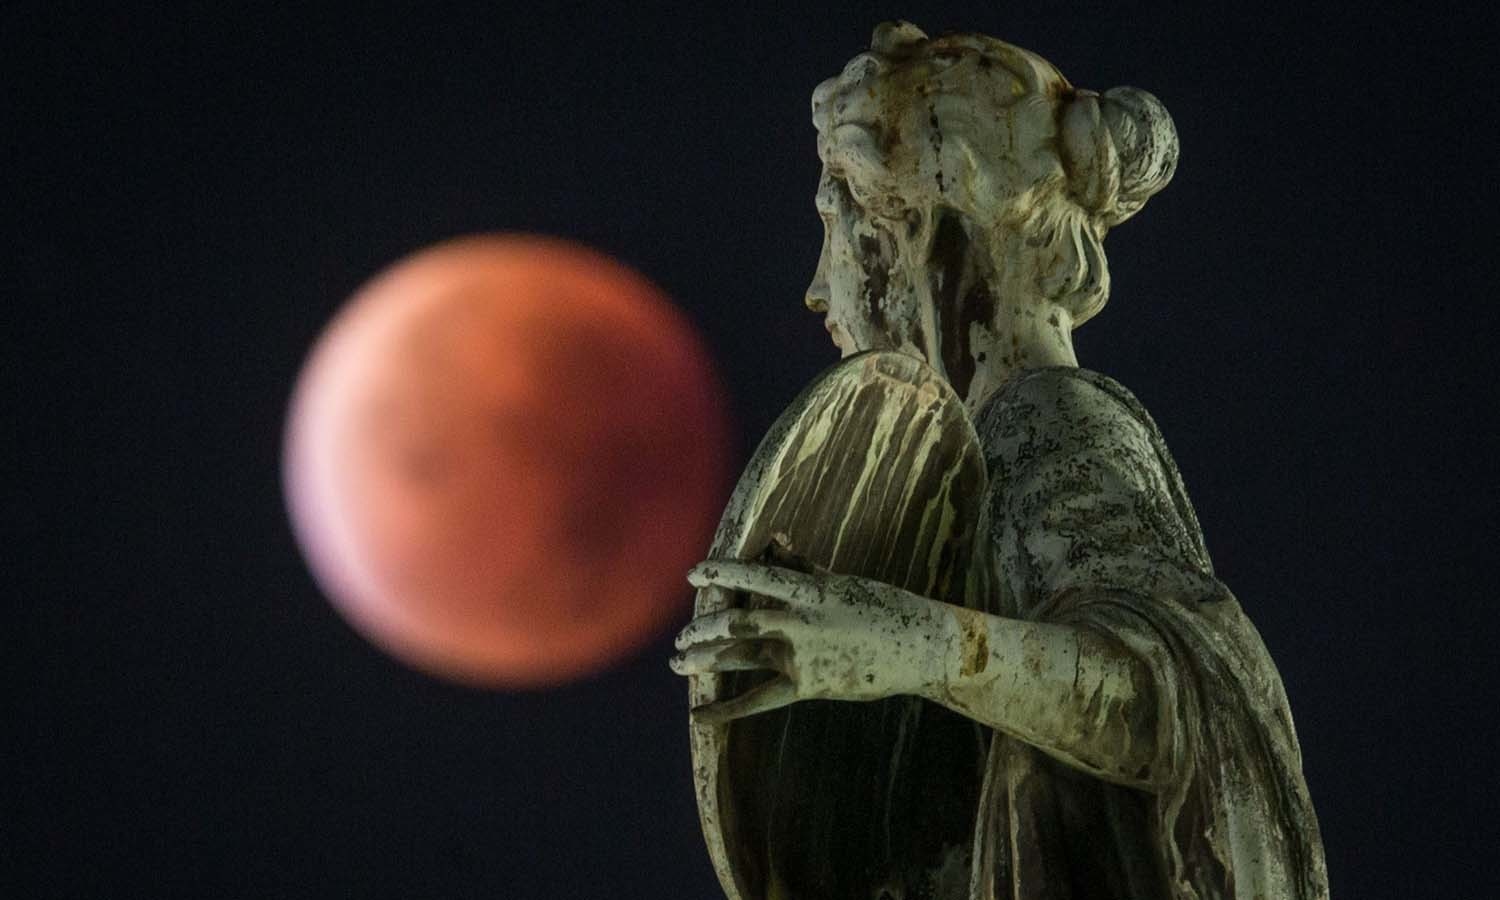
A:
x: 1049, y: 417
x: 1049, y: 404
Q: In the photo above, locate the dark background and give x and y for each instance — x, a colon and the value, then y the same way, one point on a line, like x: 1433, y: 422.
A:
x: 1305, y: 310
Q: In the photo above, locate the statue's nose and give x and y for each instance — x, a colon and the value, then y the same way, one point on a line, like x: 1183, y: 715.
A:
x: 817, y: 296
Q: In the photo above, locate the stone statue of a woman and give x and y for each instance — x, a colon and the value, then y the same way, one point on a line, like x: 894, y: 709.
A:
x: 1143, y: 746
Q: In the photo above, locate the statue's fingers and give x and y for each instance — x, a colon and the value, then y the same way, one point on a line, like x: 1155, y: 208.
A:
x: 732, y: 656
x: 734, y: 624
x: 787, y: 585
x: 773, y: 694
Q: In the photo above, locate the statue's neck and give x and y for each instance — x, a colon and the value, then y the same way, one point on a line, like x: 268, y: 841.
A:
x: 975, y: 313
x: 1024, y: 336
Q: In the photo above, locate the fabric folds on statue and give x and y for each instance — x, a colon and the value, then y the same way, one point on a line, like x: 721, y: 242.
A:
x: 1089, y: 525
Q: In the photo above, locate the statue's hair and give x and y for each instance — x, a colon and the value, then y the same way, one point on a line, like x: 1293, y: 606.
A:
x: 1115, y: 151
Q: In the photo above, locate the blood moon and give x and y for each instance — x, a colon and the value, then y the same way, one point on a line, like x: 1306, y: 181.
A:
x: 503, y: 456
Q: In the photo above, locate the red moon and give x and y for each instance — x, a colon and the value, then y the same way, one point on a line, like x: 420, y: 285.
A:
x: 502, y: 457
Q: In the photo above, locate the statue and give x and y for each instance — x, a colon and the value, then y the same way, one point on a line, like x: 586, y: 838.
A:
x: 1134, y: 737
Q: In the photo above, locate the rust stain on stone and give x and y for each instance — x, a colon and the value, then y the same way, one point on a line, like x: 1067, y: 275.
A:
x: 974, y: 643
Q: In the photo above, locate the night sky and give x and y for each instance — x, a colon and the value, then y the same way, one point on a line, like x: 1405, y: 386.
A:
x: 1304, y: 310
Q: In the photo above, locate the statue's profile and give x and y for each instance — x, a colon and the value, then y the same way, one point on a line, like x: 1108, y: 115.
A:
x: 1059, y: 698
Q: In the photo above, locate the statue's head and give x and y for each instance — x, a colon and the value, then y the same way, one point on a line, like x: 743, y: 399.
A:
x: 964, y: 139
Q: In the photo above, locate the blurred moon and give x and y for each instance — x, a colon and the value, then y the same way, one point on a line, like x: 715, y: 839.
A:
x: 502, y: 457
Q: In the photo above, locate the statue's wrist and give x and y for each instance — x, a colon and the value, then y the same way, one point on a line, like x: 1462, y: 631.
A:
x: 938, y: 649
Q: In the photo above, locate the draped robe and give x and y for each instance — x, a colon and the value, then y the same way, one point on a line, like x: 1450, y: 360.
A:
x: 1088, y: 524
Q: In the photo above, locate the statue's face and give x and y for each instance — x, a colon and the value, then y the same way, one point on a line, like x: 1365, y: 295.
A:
x: 901, y: 136
x: 843, y: 285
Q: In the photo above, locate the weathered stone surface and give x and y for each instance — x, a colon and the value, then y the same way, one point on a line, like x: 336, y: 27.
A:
x: 1136, y: 740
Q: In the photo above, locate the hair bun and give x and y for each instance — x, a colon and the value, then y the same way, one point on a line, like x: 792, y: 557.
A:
x: 1118, y: 149
x: 1145, y: 142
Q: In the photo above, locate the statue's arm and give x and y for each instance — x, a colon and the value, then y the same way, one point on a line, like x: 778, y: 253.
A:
x: 1084, y: 519
x: 1067, y: 690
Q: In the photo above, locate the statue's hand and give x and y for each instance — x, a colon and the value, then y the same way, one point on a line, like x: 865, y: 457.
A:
x: 837, y: 637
